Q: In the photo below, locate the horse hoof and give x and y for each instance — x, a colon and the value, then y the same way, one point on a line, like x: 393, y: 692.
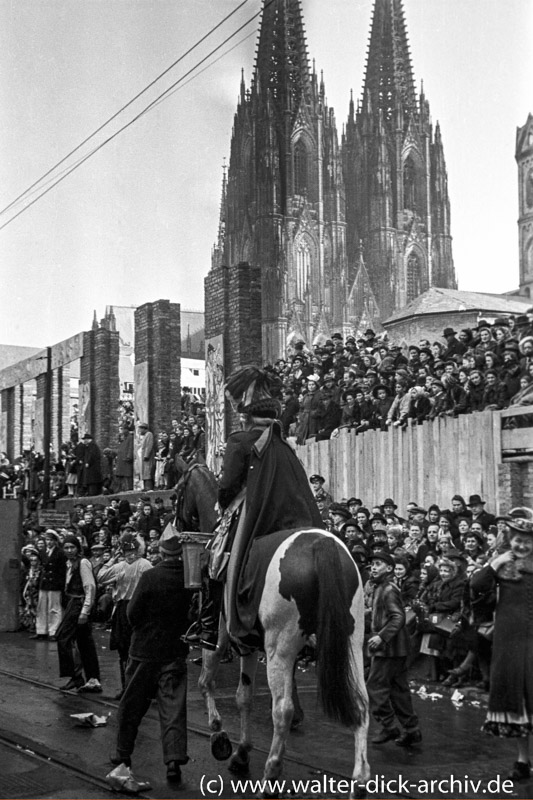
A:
x: 296, y: 724
x: 220, y: 746
x: 239, y: 765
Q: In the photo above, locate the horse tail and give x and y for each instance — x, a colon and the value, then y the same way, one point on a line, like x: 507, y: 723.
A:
x: 339, y: 695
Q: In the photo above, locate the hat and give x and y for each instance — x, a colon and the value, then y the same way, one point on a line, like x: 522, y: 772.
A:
x: 336, y: 336
x: 71, y: 539
x: 369, y: 332
x: 314, y: 378
x: 171, y: 546
x: 476, y: 535
x: 501, y: 322
x: 523, y: 341
x: 448, y: 332
x: 143, y: 425
x: 87, y: 436
x: 98, y: 546
x: 389, y: 502
x: 520, y: 519
x: 337, y: 508
x: 355, y: 500
x: 316, y: 479
x: 484, y: 324
x: 52, y: 532
x: 521, y: 319
x: 475, y: 500
x: 378, y: 518
x: 129, y: 542
x: 252, y: 390
x: 382, y: 555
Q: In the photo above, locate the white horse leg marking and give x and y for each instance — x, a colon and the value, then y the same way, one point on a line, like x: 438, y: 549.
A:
x: 207, y: 679
x: 244, y: 697
x: 361, y: 769
x: 282, y: 647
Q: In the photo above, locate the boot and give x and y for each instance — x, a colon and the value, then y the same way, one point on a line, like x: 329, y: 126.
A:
x: 210, y: 615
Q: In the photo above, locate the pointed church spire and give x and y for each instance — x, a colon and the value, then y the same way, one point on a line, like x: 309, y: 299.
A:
x: 282, y: 67
x: 218, y: 250
x: 95, y: 325
x: 389, y: 75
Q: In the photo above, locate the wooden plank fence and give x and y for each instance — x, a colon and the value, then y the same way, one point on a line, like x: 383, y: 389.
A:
x: 426, y: 463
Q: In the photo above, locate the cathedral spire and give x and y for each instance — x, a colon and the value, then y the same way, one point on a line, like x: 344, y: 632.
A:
x: 282, y: 66
x: 389, y: 79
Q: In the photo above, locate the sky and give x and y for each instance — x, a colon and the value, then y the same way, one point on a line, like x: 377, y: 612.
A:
x: 137, y: 221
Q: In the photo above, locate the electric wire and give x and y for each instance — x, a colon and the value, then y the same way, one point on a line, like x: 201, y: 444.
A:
x: 124, y: 107
x: 136, y: 117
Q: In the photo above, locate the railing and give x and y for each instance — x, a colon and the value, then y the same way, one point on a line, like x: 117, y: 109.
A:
x: 517, y: 432
x: 426, y: 463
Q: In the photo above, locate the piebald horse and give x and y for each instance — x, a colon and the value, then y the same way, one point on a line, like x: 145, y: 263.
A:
x: 312, y: 589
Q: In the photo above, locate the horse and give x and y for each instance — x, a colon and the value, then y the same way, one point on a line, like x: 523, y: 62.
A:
x: 312, y: 590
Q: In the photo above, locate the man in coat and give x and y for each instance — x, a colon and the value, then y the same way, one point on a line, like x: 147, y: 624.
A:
x: 52, y: 581
x: 145, y: 457
x: 124, y: 462
x: 89, y: 467
x: 388, y: 646
x: 157, y: 664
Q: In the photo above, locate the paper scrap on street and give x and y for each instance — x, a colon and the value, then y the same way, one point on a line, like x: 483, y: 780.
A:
x: 89, y: 720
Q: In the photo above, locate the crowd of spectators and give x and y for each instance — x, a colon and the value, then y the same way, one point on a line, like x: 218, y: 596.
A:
x: 436, y: 551
x: 172, y: 452
x: 369, y: 383
x: 100, y: 530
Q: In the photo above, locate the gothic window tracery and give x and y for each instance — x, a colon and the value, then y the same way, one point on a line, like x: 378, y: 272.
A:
x: 301, y: 168
x: 303, y: 268
x: 414, y: 188
x: 413, y: 276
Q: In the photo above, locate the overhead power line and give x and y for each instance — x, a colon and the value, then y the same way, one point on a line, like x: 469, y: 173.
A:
x: 67, y: 171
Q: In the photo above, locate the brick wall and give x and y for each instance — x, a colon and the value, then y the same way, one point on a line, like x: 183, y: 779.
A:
x: 431, y: 326
x: 515, y: 485
x: 158, y: 342
x: 99, y: 367
x: 233, y: 310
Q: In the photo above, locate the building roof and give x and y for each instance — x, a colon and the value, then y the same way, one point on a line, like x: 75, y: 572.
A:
x: 447, y: 301
x: 11, y: 354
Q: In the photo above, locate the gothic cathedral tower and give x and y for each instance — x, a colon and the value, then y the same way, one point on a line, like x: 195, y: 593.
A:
x: 524, y: 160
x: 397, y: 205
x: 313, y: 237
x: 283, y: 205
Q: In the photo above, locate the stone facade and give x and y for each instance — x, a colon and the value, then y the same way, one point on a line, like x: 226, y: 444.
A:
x: 315, y: 216
x: 158, y: 344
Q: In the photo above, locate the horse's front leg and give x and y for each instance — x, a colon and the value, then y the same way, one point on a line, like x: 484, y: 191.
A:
x: 220, y: 743
x: 282, y: 648
x: 240, y: 759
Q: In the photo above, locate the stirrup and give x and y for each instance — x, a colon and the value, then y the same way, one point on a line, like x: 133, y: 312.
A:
x: 209, y: 640
x: 193, y: 634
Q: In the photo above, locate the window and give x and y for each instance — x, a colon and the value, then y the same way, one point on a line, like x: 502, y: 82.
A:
x: 303, y: 269
x: 413, y: 277
x: 301, y: 176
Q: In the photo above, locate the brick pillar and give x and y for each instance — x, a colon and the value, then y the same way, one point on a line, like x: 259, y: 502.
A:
x: 27, y: 404
x: 510, y: 485
x: 38, y: 428
x: 158, y: 348
x: 99, y: 383
x: 60, y: 427
x: 233, y: 310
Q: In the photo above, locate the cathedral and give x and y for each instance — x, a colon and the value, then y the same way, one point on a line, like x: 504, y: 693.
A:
x: 321, y: 232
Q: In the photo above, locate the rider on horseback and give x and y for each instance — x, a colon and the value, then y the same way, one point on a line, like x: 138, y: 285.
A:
x: 263, y: 489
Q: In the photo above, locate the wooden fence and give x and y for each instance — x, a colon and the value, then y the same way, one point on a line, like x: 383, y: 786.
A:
x: 426, y: 463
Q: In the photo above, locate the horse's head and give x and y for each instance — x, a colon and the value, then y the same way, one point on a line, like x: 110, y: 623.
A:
x: 196, y: 497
